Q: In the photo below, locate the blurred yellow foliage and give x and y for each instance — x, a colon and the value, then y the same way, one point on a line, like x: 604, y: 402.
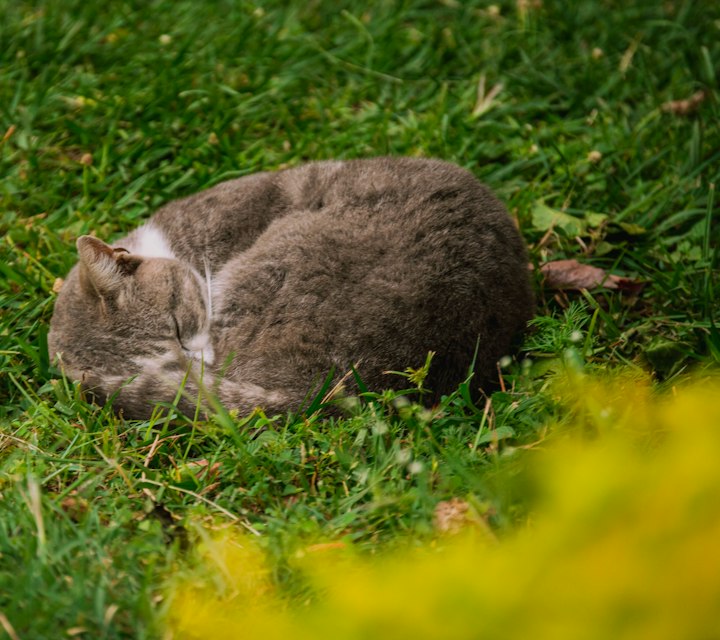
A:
x: 624, y: 542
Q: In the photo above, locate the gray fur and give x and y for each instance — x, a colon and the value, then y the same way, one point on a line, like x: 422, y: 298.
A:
x: 276, y: 278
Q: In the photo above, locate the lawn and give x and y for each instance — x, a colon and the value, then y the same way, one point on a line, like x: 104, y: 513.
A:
x: 597, y: 122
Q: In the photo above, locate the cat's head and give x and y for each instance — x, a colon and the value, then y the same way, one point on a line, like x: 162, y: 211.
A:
x: 130, y: 327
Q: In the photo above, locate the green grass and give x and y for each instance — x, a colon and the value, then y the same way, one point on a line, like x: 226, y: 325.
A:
x: 108, y: 109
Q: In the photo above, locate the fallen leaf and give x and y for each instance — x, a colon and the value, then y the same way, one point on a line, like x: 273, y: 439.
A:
x: 544, y: 218
x: 110, y: 614
x: 75, y: 507
x: 684, y: 107
x: 450, y: 515
x: 9, y: 132
x: 632, y: 229
x: 571, y: 274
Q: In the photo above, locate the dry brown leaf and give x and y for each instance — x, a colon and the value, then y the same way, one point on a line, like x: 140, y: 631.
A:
x: 455, y: 515
x: 571, y: 274
x: 9, y: 132
x: 110, y: 614
x: 5, y: 624
x: 450, y: 515
x: 75, y: 507
x: 524, y: 5
x: 684, y: 107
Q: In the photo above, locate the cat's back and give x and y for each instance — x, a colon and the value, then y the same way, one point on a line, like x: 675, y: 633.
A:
x: 388, y: 258
x: 410, y: 185
x: 405, y: 206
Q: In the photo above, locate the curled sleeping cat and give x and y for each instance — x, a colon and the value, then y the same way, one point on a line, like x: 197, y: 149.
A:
x: 264, y: 284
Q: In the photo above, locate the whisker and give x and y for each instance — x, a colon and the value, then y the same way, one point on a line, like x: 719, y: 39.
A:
x: 208, y: 281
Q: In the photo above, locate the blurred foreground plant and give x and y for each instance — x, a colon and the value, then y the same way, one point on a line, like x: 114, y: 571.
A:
x: 623, y: 542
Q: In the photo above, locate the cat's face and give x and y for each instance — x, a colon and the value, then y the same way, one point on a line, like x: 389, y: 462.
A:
x: 130, y: 326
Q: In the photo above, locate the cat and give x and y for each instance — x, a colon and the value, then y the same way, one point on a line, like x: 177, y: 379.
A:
x: 257, y: 288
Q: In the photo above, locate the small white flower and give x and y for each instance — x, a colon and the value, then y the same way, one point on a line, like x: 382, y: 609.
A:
x: 380, y: 428
x: 415, y: 467
x: 403, y: 456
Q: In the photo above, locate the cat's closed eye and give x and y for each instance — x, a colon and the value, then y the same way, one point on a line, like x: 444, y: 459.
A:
x: 196, y: 346
x: 176, y: 331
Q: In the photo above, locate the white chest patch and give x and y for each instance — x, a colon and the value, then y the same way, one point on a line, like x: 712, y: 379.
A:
x: 150, y: 242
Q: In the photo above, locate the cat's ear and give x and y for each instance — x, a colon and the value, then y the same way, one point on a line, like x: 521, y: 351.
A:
x: 103, y: 270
